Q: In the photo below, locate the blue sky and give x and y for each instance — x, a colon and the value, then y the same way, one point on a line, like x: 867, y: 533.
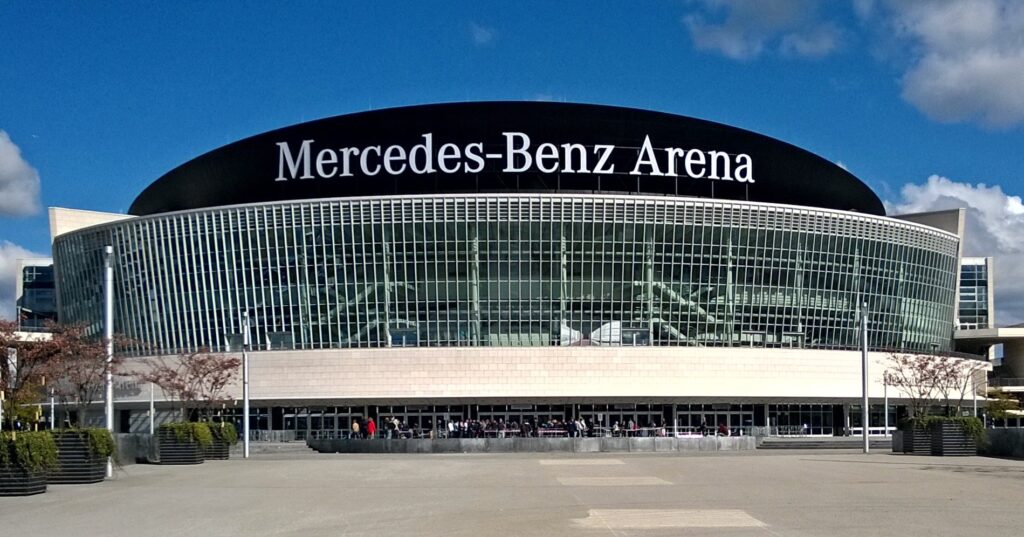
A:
x: 102, y: 98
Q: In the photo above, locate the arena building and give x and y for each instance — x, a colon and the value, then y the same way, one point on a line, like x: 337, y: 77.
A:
x: 520, y: 261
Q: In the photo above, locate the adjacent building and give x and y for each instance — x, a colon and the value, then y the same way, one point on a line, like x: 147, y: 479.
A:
x: 35, y: 295
x: 976, y: 294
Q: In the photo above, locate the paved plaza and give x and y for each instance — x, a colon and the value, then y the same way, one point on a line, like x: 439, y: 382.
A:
x: 306, y: 494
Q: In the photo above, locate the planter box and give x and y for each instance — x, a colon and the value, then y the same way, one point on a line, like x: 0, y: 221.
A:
x: 917, y: 440
x: 220, y: 450
x: 173, y: 451
x: 76, y: 464
x: 950, y: 439
x: 16, y: 481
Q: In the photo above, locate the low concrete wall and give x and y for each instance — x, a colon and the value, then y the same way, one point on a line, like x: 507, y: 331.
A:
x: 538, y: 445
x: 135, y: 447
x: 1004, y: 442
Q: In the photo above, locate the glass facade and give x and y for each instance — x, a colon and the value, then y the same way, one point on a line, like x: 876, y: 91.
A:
x: 37, y: 303
x: 515, y: 270
x: 974, y: 286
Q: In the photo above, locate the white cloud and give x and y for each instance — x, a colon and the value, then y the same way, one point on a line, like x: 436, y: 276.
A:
x: 19, y: 182
x: 743, y: 30
x: 967, y: 57
x: 813, y: 43
x: 482, y: 35
x: 994, y: 227
x: 9, y: 254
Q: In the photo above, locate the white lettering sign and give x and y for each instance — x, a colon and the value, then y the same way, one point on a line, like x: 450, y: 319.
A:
x: 517, y: 154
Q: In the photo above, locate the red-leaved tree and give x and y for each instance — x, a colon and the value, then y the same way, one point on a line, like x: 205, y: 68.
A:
x: 917, y: 377
x: 195, y: 380
x: 78, y: 370
x: 23, y: 364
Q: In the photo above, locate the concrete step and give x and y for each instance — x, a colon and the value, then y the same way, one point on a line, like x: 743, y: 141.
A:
x: 824, y: 443
x: 264, y: 448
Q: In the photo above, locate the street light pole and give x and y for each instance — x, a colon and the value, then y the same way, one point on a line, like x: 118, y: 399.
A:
x: 152, y: 410
x: 865, y: 410
x: 245, y: 385
x: 108, y: 338
x: 885, y: 387
x: 974, y: 395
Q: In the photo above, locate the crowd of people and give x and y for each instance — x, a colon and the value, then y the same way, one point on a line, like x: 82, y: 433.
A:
x: 392, y: 427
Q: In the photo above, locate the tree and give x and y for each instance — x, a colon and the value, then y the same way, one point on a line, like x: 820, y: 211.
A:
x: 1000, y: 404
x: 24, y: 360
x: 192, y: 380
x: 956, y: 378
x: 216, y: 372
x: 924, y: 379
x: 64, y: 360
x: 917, y: 377
x: 79, y: 369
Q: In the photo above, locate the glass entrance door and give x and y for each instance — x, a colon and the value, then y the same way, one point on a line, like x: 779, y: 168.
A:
x: 418, y: 421
x: 736, y: 419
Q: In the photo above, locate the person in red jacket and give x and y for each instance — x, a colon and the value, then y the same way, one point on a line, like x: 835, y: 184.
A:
x: 371, y: 429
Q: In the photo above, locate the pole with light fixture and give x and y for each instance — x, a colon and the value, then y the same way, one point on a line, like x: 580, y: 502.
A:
x: 108, y: 339
x: 245, y: 385
x: 865, y: 410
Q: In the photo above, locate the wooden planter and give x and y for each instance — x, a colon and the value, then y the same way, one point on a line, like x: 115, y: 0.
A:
x: 220, y: 450
x: 16, y: 481
x: 76, y: 464
x: 174, y: 451
x: 950, y: 439
x: 917, y: 440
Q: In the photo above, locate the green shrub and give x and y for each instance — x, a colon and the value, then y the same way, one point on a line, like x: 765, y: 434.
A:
x: 225, y: 432
x: 190, y: 432
x: 33, y: 451
x: 101, y: 442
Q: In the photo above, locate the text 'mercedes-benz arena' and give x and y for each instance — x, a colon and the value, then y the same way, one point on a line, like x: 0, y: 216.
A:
x: 522, y: 261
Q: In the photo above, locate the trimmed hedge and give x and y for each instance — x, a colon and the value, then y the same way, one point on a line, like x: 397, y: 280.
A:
x: 34, y: 451
x: 190, y: 432
x: 225, y: 432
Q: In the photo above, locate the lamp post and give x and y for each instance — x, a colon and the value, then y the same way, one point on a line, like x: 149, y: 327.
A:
x: 974, y: 394
x: 108, y: 339
x: 865, y: 410
x: 885, y: 387
x: 245, y: 385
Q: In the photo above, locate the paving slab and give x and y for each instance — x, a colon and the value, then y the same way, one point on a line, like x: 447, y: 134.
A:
x: 730, y: 494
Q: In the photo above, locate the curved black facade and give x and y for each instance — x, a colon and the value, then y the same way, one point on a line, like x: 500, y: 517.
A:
x: 483, y: 147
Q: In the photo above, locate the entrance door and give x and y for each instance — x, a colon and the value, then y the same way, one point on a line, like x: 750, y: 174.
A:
x: 839, y: 419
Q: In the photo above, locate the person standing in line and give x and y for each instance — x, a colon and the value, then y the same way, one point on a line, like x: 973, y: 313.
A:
x: 371, y: 429
x: 355, y: 428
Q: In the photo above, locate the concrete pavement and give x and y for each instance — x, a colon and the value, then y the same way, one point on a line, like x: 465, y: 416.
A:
x: 791, y: 494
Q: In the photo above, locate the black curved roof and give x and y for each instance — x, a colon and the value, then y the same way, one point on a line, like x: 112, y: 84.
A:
x: 247, y: 171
